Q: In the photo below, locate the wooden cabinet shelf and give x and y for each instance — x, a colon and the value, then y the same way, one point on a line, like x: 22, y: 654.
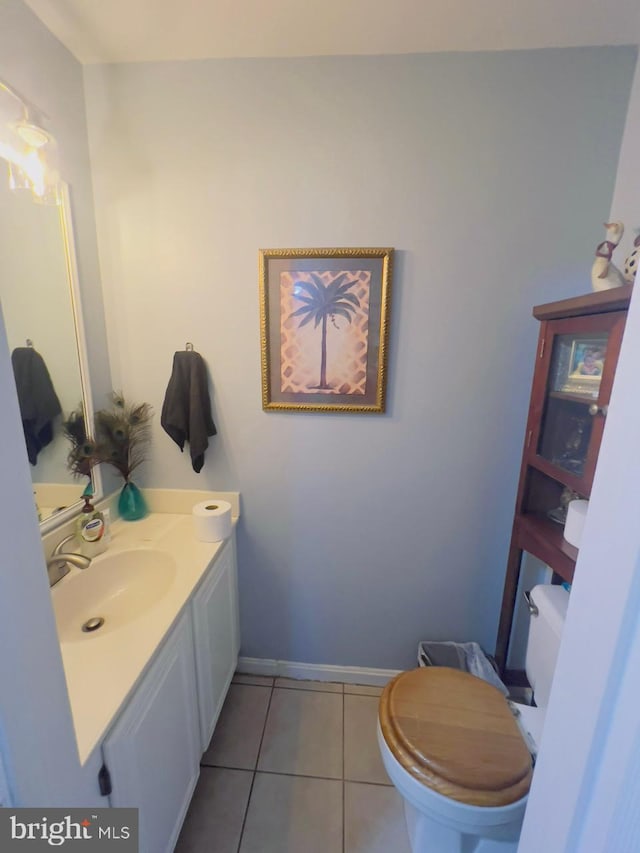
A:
x: 575, y: 367
x: 565, y: 478
x: 543, y: 538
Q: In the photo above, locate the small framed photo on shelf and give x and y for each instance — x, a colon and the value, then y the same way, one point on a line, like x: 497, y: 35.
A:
x: 586, y: 364
x: 324, y: 326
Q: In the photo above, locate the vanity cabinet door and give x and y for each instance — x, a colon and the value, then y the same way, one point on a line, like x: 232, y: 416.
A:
x: 216, y: 635
x: 153, y: 750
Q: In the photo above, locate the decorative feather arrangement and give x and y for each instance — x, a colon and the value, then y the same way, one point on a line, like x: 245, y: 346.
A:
x: 83, y: 454
x: 123, y: 434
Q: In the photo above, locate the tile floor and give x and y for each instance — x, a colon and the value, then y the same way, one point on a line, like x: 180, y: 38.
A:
x: 293, y: 767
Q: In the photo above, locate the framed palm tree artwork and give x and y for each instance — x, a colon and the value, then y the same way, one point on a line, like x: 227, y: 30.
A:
x: 324, y: 321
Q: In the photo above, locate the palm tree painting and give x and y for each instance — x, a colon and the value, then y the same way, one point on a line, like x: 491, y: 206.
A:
x: 325, y: 298
x: 324, y: 328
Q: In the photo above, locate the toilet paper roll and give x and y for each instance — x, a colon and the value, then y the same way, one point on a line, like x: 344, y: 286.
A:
x: 212, y: 520
x: 576, y: 515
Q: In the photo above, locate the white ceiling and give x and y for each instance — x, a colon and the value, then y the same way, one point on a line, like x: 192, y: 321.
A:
x: 152, y: 30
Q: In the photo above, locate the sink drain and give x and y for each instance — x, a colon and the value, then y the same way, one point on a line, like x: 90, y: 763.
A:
x: 93, y: 624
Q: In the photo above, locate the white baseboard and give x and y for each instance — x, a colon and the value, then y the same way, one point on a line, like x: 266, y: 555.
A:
x: 316, y: 671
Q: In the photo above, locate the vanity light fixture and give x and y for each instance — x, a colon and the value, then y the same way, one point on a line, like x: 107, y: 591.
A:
x: 30, y: 151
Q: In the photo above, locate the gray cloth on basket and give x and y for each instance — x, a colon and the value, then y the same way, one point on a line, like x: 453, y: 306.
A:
x: 186, y: 411
x: 468, y: 657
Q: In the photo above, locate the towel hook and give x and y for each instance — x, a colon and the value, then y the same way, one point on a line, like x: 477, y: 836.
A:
x: 30, y: 343
x: 189, y: 347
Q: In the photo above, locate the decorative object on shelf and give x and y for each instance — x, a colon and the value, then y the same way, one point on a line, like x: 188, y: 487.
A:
x: 605, y: 274
x: 324, y: 323
x: 559, y: 513
x: 574, y: 446
x: 586, y: 363
x: 614, y: 233
x: 123, y: 434
x: 631, y: 263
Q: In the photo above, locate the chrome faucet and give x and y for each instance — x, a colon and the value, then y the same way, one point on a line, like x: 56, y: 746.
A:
x: 59, y: 561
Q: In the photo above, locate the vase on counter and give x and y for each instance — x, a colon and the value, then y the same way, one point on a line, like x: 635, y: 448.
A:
x: 131, y: 503
x: 123, y: 434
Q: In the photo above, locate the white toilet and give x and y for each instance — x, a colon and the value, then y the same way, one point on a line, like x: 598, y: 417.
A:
x: 456, y: 751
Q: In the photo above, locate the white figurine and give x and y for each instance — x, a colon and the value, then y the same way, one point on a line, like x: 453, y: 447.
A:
x: 632, y: 262
x: 615, y: 230
x: 605, y: 274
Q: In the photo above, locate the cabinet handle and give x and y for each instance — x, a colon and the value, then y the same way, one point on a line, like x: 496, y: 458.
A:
x: 594, y: 409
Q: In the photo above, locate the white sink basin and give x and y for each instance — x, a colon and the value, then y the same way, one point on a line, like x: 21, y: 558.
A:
x: 118, y: 588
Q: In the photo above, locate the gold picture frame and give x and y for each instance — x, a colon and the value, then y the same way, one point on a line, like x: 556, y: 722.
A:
x: 324, y: 328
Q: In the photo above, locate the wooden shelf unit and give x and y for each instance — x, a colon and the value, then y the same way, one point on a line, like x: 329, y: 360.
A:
x: 567, y: 415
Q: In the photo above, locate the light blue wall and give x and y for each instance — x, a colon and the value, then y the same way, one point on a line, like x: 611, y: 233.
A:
x: 491, y: 174
x: 625, y: 205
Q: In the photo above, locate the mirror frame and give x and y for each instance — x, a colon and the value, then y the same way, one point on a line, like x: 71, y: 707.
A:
x: 73, y: 279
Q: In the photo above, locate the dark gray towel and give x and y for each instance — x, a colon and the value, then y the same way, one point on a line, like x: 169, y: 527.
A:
x: 38, y: 400
x: 186, y: 411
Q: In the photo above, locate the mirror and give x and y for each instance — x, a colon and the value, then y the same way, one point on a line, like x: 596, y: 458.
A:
x: 40, y: 302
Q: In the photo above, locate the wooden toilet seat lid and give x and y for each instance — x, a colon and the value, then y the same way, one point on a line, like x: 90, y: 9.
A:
x: 456, y: 734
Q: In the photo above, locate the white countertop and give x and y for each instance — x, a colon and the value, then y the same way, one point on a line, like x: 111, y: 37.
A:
x: 102, y: 670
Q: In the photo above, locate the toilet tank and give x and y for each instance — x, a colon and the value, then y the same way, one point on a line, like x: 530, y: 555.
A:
x: 545, y: 633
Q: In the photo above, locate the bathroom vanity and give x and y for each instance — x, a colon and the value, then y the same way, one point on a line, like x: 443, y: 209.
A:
x: 147, y: 687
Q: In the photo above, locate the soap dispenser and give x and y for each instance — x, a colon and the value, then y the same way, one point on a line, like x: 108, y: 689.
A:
x: 91, y: 528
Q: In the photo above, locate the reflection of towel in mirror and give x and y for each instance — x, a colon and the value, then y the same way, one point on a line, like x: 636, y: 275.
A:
x: 38, y: 400
x: 186, y: 411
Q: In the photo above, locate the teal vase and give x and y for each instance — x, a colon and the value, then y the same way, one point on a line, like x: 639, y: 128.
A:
x: 131, y: 503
